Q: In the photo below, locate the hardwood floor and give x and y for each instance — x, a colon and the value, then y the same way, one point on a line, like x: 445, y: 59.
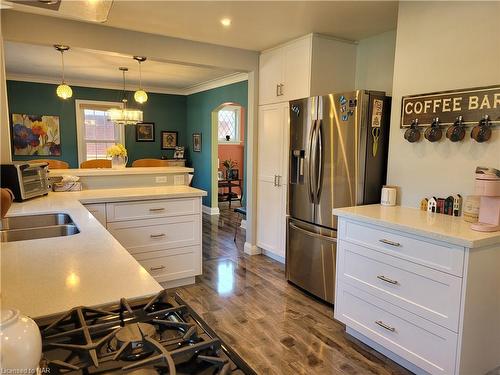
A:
x: 275, y: 327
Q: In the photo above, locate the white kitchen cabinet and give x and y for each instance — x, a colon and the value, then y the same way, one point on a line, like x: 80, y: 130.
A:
x: 421, y: 298
x: 272, y: 178
x: 308, y: 66
x: 98, y: 210
x: 163, y: 235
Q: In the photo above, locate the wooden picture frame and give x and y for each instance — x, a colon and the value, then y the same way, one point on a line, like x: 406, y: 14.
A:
x: 169, y: 140
x: 145, y: 132
x: 197, y: 142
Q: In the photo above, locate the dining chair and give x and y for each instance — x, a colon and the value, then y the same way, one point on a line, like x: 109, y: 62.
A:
x: 53, y: 163
x: 96, y: 163
x: 150, y: 163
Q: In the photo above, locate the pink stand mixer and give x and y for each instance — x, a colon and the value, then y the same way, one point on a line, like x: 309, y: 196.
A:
x: 488, y: 187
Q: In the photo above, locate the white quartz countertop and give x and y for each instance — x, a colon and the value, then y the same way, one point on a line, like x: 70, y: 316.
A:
x: 84, y: 172
x: 411, y: 220
x: 47, y: 276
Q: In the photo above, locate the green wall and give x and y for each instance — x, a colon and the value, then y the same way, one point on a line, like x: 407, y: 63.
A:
x: 168, y: 112
x: 199, y: 120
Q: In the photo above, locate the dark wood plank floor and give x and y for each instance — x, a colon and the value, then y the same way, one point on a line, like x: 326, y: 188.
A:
x: 275, y: 327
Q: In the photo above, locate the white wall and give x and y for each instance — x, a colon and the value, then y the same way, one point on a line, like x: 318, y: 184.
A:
x: 375, y: 62
x: 5, y: 156
x: 442, y: 46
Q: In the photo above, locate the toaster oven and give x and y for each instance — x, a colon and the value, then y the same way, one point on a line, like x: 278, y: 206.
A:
x: 26, y: 180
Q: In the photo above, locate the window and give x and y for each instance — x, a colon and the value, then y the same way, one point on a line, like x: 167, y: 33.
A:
x: 229, y: 124
x: 95, y: 132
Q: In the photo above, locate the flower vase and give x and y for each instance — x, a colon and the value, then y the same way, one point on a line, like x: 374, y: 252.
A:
x: 118, y: 162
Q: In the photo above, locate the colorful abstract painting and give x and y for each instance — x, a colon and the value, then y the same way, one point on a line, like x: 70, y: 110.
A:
x: 36, y: 135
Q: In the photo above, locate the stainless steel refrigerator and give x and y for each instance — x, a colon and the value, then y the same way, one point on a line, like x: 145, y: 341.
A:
x: 338, y: 158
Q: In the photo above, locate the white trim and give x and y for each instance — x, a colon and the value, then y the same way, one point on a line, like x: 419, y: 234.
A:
x: 80, y: 122
x: 204, y: 86
x: 243, y: 224
x: 210, y: 210
x: 250, y: 249
x: 274, y: 256
x: 307, y: 36
x: 219, y: 82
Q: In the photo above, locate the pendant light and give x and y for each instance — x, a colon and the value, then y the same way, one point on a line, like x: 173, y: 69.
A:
x: 63, y: 90
x: 124, y: 116
x: 140, y: 95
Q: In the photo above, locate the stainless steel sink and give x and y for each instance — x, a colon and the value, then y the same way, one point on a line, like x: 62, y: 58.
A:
x: 30, y: 227
x: 33, y: 221
x: 12, y: 235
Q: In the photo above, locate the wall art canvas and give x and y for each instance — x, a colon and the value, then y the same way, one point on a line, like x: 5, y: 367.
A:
x: 197, y: 142
x: 36, y: 135
x: 168, y: 140
x: 145, y: 132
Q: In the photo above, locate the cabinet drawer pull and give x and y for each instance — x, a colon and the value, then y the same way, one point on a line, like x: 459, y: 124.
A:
x: 156, y: 268
x: 389, y: 242
x: 387, y: 280
x: 385, y: 326
x: 157, y: 209
x: 157, y: 235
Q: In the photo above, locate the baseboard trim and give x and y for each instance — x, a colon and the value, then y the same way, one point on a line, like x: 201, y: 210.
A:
x: 243, y: 224
x: 210, y: 210
x: 250, y: 249
x: 271, y: 255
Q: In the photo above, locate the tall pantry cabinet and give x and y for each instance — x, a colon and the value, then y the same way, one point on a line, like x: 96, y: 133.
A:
x: 309, y: 66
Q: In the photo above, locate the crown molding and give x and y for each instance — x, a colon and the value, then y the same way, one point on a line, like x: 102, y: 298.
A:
x: 226, y: 80
x: 219, y: 82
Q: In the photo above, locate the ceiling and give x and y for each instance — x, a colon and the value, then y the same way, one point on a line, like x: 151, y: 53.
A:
x: 255, y: 25
x: 85, y: 66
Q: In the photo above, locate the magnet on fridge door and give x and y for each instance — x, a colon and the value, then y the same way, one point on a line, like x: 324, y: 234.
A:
x: 345, y: 117
x: 342, y: 100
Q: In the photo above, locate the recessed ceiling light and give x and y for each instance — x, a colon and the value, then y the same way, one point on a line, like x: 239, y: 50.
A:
x: 226, y: 22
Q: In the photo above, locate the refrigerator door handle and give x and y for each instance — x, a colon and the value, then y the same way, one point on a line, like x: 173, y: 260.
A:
x: 312, y: 234
x: 319, y: 167
x: 312, y: 162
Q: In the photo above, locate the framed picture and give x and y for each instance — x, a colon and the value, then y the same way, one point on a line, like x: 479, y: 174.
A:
x: 232, y: 174
x: 197, y: 142
x: 145, y: 132
x: 35, y: 135
x: 168, y: 140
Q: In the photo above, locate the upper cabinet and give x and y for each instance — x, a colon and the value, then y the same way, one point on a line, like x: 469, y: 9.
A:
x: 308, y: 66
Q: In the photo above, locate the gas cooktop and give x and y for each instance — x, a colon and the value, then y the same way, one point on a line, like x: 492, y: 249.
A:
x: 161, y: 335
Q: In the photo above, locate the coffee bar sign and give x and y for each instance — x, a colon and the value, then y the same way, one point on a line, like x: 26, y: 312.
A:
x: 471, y: 104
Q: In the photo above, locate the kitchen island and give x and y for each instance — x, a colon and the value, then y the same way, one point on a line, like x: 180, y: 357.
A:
x: 47, y: 276
x: 420, y: 287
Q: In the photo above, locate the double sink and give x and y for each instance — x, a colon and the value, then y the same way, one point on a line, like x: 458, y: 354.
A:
x: 30, y: 227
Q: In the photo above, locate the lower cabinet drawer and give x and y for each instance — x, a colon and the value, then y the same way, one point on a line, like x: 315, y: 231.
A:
x: 139, y: 236
x: 426, y: 345
x: 122, y: 211
x: 172, y: 265
x: 431, y: 294
x: 440, y: 256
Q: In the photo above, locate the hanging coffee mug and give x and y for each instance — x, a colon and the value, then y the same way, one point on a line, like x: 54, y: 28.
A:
x: 482, y: 131
x: 456, y: 132
x: 412, y: 134
x: 433, y: 133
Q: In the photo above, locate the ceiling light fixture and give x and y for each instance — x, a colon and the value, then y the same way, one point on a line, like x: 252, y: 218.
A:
x: 140, y: 95
x: 226, y: 22
x: 63, y: 90
x: 124, y: 116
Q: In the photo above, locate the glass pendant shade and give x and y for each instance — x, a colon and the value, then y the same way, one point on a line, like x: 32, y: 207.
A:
x: 124, y: 116
x: 141, y: 96
x: 64, y: 91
